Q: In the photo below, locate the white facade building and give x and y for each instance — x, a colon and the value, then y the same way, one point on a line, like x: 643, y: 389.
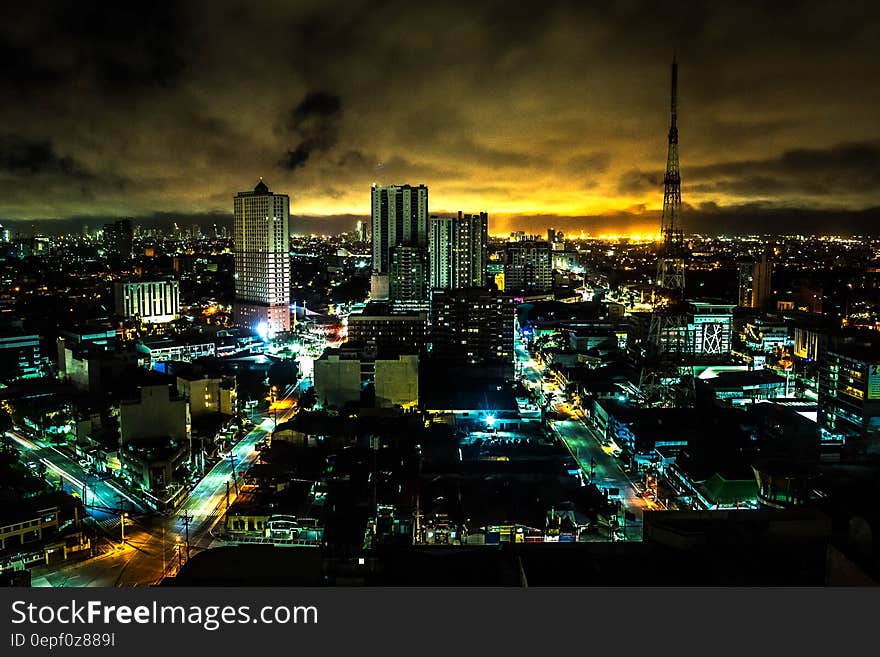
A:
x: 262, y: 260
x: 155, y: 302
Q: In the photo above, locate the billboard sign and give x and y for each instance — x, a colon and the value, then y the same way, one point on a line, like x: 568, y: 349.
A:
x: 874, y: 381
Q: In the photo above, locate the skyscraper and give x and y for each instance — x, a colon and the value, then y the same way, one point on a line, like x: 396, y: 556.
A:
x: 746, y: 282
x: 458, y: 251
x: 262, y: 260
x: 761, y: 282
x: 399, y: 218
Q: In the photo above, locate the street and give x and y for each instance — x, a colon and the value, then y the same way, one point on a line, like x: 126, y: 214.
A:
x: 585, y: 445
x: 155, y: 545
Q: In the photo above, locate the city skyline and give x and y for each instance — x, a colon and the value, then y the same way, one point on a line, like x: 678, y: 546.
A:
x: 552, y: 118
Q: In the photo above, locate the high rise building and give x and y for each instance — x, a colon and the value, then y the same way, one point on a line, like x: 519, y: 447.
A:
x: 118, y: 238
x: 399, y: 218
x: 386, y: 331
x: 746, y: 283
x: 761, y: 282
x: 458, y: 251
x: 408, y: 276
x: 529, y: 267
x: 154, y: 302
x: 360, y: 231
x: 754, y: 283
x: 262, y: 260
x: 473, y: 328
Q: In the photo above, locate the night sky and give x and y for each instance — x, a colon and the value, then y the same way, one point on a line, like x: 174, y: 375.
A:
x: 554, y: 114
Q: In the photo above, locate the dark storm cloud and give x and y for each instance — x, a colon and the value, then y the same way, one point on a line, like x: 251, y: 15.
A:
x: 22, y: 156
x: 125, y: 44
x: 116, y: 46
x: 842, y: 170
x: 596, y: 162
x: 21, y: 70
x: 638, y: 181
x: 558, y: 108
x: 315, y: 122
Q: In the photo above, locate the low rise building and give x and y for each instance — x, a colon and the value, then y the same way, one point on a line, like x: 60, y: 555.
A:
x: 40, y: 530
x: 157, y: 414
x: 207, y: 394
x: 187, y: 348
x: 747, y: 386
x: 153, y: 302
x: 342, y: 376
x: 20, y: 356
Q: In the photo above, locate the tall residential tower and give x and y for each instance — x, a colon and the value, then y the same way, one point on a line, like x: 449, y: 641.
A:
x: 458, y: 251
x: 399, y: 220
x: 262, y: 260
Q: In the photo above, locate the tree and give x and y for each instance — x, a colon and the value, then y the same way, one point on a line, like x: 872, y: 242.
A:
x: 5, y: 421
x: 308, y: 398
x: 283, y: 373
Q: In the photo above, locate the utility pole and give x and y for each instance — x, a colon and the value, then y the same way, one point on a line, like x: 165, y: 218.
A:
x: 187, y: 518
x: 232, y: 463
x: 122, y: 515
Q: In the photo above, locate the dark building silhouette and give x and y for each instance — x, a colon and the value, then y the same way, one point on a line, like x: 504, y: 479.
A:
x: 118, y: 239
x: 473, y: 327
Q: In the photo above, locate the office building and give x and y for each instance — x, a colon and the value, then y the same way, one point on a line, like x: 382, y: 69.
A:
x: 262, y: 260
x: 473, y: 327
x: 153, y: 302
x: 849, y: 397
x: 710, y: 328
x: 118, y: 238
x: 458, y: 251
x: 706, y: 330
x: 399, y: 218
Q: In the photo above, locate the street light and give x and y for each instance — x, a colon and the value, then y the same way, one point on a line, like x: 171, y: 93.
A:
x: 122, y: 517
